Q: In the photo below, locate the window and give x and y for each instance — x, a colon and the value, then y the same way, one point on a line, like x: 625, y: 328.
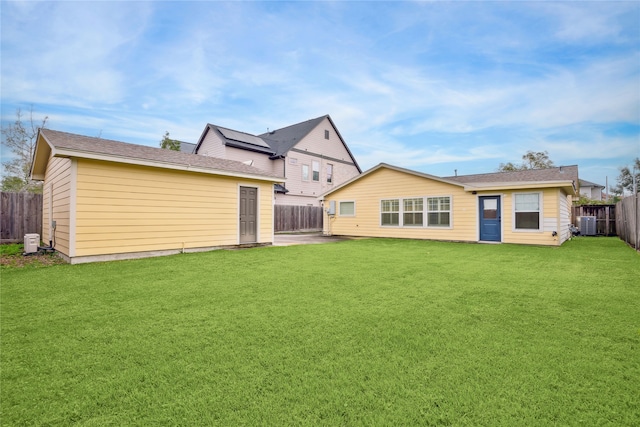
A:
x: 293, y: 161
x: 316, y: 170
x: 329, y: 173
x: 527, y: 211
x: 438, y: 211
x: 326, y: 134
x: 305, y: 172
x: 412, y: 212
x: 390, y: 212
x: 347, y: 208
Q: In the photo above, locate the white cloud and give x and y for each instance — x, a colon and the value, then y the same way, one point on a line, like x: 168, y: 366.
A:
x: 70, y: 53
x: 587, y: 21
x: 409, y: 84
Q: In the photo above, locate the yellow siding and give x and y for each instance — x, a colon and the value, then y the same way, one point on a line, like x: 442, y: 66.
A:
x: 386, y: 184
x: 125, y: 208
x: 57, y: 178
x: 550, y: 220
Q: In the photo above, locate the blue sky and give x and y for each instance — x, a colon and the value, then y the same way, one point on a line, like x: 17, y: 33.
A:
x: 430, y: 86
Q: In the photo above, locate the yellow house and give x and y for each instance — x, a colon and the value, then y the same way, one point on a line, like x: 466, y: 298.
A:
x: 528, y: 207
x: 105, y: 200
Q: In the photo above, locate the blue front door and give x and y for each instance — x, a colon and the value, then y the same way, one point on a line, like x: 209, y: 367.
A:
x: 490, y: 218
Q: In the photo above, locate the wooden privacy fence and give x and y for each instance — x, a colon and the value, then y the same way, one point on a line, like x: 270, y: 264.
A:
x: 605, y: 217
x: 628, y: 220
x: 20, y: 214
x: 297, y: 218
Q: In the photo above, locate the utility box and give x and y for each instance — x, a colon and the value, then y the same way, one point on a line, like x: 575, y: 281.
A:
x: 31, y: 242
x: 588, y: 225
x: 332, y: 208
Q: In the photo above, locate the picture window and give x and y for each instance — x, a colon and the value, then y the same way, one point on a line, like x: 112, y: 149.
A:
x: 347, y: 208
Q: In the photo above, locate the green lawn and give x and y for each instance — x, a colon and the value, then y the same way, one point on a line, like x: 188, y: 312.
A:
x: 367, y: 332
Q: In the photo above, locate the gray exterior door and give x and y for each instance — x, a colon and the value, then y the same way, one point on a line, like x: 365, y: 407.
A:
x: 248, y: 214
x: 490, y: 219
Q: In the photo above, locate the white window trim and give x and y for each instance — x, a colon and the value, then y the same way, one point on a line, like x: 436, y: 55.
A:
x: 425, y: 212
x: 302, y: 172
x: 345, y: 215
x: 399, y: 225
x: 402, y: 212
x: 540, y: 228
x: 327, y: 166
x: 315, y: 162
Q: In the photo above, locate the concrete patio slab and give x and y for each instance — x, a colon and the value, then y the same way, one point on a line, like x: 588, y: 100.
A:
x: 305, y: 239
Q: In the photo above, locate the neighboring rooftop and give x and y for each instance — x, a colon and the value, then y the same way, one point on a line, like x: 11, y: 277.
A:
x: 283, y: 140
x: 187, y: 147
x: 585, y: 183
x: 274, y: 143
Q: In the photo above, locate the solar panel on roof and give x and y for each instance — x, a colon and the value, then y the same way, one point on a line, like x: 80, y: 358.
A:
x: 243, y: 137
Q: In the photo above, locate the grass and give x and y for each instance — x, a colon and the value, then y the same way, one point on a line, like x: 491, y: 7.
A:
x: 365, y: 332
x: 11, y: 256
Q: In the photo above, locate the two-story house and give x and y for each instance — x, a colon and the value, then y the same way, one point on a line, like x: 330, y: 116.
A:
x: 591, y: 190
x: 311, y: 156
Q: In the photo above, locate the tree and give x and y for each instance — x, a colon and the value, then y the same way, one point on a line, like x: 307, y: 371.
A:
x: 168, y: 143
x: 531, y: 160
x: 20, y: 139
x: 625, y: 179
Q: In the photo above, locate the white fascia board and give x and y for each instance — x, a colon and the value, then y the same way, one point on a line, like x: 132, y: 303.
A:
x: 493, y: 186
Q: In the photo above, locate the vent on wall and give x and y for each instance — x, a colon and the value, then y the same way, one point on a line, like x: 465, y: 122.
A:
x: 587, y: 225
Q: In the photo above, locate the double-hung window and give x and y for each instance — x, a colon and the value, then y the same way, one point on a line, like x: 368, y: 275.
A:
x: 329, y: 173
x: 305, y: 172
x: 390, y: 212
x: 315, y: 170
x: 412, y: 212
x: 527, y: 210
x: 439, y: 211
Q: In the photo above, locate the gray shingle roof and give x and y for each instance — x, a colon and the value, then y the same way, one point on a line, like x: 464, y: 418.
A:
x: 116, y: 149
x: 275, y: 143
x: 560, y: 173
x: 585, y: 183
x: 283, y: 140
x: 187, y: 147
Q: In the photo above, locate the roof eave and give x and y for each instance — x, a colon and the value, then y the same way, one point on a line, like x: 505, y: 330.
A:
x: 41, y: 156
x: 344, y: 143
x: 496, y: 186
x: 202, y: 136
x: 71, y: 153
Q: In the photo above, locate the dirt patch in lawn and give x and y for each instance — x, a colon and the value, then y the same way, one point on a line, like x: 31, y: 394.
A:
x: 12, y: 257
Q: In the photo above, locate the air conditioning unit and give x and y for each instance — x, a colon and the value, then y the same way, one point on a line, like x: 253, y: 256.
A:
x: 587, y: 225
x: 31, y: 242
